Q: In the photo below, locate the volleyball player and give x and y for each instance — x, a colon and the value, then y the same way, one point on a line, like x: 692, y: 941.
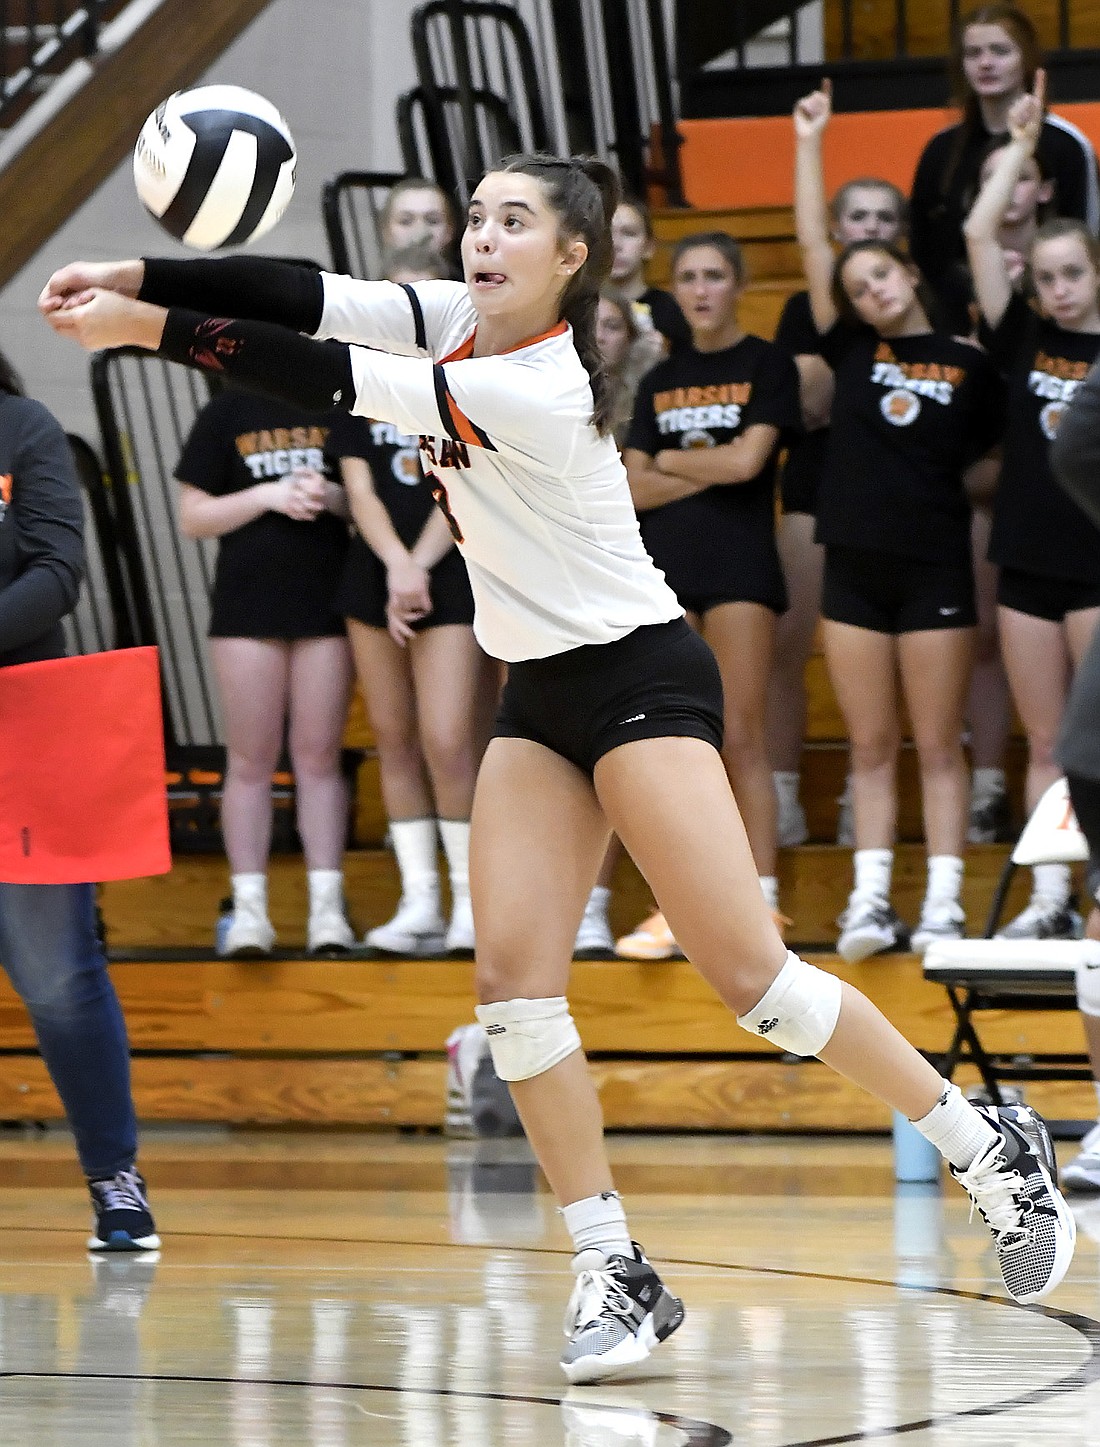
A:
x: 701, y: 457
x: 1048, y: 550
x: 612, y: 714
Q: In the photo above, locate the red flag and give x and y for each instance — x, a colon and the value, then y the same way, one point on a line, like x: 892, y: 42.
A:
x: 82, y: 788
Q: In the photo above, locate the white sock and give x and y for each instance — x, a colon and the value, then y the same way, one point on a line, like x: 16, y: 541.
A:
x: 455, y: 834
x: 1050, y: 882
x: 414, y: 844
x: 956, y: 1129
x: 945, y: 876
x: 326, y: 889
x: 249, y: 889
x: 986, y: 784
x: 769, y: 887
x: 598, y: 902
x: 873, y: 868
x: 786, y: 786
x: 598, y: 1222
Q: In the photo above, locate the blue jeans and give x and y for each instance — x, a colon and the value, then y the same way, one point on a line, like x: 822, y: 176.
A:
x: 55, y: 961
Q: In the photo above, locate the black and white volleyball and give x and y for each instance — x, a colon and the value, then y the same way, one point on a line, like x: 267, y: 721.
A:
x: 215, y: 166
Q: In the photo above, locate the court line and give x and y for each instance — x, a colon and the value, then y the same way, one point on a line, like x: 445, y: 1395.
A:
x: 698, y: 1433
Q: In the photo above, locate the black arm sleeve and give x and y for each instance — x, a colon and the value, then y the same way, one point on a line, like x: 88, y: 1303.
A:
x: 263, y: 358
x: 255, y: 287
x: 1075, y: 451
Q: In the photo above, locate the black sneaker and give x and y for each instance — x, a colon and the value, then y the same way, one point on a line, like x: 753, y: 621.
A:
x: 1013, y: 1185
x: 990, y: 820
x: 123, y: 1221
x: 869, y: 927
x: 618, y: 1312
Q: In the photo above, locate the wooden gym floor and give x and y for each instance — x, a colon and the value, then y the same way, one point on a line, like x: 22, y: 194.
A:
x: 330, y: 1290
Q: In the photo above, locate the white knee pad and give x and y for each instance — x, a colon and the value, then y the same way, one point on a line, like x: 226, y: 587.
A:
x: 1088, y: 987
x: 528, y: 1037
x: 799, y: 1011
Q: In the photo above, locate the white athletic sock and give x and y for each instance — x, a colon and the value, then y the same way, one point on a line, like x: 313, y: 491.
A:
x: 598, y: 1222
x: 873, y: 868
x: 598, y: 902
x: 986, y: 784
x: 956, y: 1129
x: 326, y: 889
x: 415, y: 845
x: 945, y: 876
x: 786, y: 785
x: 769, y: 887
x: 1051, y: 882
x: 455, y: 834
x: 250, y: 889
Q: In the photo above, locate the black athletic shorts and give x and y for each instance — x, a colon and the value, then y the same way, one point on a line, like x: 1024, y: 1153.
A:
x: 363, y: 592
x: 767, y: 590
x: 1050, y: 598
x: 660, y: 681
x: 888, y: 593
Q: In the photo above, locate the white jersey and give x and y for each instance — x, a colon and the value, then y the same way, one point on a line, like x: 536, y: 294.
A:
x: 537, y: 500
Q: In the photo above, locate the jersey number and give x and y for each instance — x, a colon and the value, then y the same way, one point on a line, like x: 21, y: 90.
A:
x: 439, y: 492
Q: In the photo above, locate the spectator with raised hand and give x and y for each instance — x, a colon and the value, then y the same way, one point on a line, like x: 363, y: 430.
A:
x: 993, y: 63
x: 1047, y: 549
x: 912, y: 410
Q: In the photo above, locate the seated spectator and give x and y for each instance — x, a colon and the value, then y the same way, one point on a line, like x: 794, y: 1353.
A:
x: 634, y: 244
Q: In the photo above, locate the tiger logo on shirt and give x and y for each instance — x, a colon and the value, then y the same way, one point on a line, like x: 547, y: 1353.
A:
x: 1054, y: 379
x: 909, y: 382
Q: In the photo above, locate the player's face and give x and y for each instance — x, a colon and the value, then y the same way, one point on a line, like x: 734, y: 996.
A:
x: 882, y: 291
x: 612, y: 333
x: 992, y: 61
x: 1065, y: 280
x: 419, y: 215
x: 706, y: 287
x: 869, y: 213
x: 513, y: 256
x: 1029, y: 193
x: 631, y: 247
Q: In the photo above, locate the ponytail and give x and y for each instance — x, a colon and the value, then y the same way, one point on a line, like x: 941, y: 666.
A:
x: 584, y: 192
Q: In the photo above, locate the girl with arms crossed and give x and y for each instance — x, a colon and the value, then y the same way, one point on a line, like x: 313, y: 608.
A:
x: 612, y: 714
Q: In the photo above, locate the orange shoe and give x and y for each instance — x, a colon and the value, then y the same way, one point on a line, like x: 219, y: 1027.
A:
x: 652, y: 940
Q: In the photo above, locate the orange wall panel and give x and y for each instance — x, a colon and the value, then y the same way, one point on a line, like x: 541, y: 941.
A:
x: 749, y: 161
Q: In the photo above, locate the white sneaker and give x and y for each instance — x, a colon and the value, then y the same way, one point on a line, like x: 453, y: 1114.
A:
x: 250, y: 935
x: 417, y: 928
x: 460, y: 931
x: 1083, y: 1172
x: 619, y: 1311
x: 940, y: 919
x: 868, y: 927
x: 328, y: 931
x: 594, y: 938
x: 1043, y: 919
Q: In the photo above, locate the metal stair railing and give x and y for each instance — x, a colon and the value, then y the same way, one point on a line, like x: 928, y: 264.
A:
x: 37, y: 38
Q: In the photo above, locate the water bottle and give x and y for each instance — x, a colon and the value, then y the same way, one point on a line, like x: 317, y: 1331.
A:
x: 915, y: 1157
x: 221, y: 928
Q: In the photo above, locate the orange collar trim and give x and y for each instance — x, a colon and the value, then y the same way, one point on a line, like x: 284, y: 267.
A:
x: 466, y: 349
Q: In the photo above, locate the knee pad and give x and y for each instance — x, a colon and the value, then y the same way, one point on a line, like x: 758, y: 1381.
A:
x: 1088, y: 986
x: 528, y: 1037
x: 799, y: 1011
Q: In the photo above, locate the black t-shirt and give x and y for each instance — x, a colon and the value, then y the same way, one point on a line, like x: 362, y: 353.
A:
x: 909, y: 416
x: 394, y: 461
x: 706, y: 399
x: 666, y: 316
x: 275, y: 577
x: 797, y: 335
x: 1037, y: 527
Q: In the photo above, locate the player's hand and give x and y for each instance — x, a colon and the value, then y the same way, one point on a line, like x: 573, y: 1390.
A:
x: 813, y: 111
x: 1015, y: 264
x: 311, y: 488
x: 80, y: 277
x: 98, y: 319
x: 1025, y: 116
x: 409, y: 589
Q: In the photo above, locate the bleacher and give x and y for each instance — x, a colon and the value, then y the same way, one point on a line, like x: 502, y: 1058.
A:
x: 360, y: 1041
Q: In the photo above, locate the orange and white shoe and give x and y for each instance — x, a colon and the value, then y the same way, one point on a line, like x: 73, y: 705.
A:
x: 652, y: 940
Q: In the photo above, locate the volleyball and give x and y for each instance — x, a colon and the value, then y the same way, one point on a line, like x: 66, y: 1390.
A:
x: 215, y: 166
